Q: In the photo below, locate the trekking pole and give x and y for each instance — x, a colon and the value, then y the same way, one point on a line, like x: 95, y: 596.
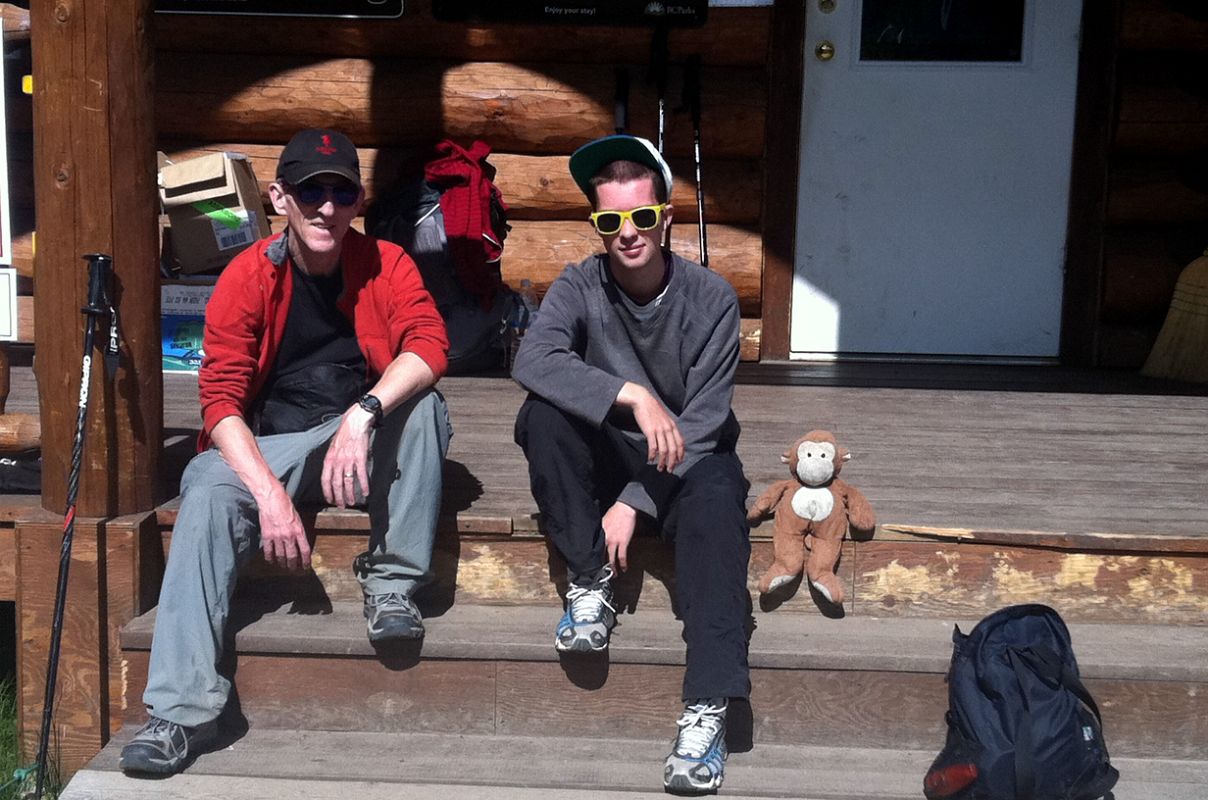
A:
x: 657, y: 73
x: 692, y: 100
x: 99, y: 268
x: 620, y: 112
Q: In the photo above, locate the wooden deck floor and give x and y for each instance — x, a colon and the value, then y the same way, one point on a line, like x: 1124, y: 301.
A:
x: 1062, y: 453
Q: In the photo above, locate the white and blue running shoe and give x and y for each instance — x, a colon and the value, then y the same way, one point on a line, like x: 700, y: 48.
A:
x: 589, y: 617
x: 698, y: 759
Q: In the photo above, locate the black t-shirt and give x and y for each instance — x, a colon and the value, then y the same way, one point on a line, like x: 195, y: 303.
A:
x: 319, y: 370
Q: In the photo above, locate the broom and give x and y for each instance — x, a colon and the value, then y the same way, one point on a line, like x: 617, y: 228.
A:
x: 1181, y: 351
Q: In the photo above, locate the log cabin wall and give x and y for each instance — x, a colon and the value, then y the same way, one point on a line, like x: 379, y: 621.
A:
x: 533, y: 93
x: 1157, y: 208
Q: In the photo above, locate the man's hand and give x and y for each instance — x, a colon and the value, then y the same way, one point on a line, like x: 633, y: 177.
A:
x: 619, y: 523
x: 664, y: 444
x: 347, y: 462
x: 282, y: 537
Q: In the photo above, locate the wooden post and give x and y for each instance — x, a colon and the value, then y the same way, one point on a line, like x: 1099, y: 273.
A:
x: 94, y: 185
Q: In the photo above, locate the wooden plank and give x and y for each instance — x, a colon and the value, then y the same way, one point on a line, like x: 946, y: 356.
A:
x: 731, y: 36
x: 81, y: 725
x: 133, y: 567
x: 520, y: 108
x: 786, y: 61
x: 928, y: 579
x: 534, y: 187
x: 397, y: 692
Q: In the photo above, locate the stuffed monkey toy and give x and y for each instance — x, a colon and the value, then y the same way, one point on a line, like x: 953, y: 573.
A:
x: 813, y: 510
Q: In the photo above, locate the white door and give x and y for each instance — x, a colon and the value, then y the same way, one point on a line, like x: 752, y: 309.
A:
x: 934, y: 177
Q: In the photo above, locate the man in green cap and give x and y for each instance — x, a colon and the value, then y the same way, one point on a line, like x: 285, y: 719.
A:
x: 630, y: 368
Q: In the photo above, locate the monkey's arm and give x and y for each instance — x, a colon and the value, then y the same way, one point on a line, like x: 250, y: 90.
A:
x: 768, y: 500
x: 859, y: 511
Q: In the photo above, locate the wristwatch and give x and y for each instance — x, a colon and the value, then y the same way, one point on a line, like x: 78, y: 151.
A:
x: 373, y: 406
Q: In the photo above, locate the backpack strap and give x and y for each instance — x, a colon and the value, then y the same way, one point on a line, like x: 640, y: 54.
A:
x: 1025, y: 765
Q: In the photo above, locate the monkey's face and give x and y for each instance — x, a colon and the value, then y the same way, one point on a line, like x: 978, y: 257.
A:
x: 815, y: 462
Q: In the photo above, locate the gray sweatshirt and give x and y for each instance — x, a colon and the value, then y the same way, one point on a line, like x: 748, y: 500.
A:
x: 585, y: 344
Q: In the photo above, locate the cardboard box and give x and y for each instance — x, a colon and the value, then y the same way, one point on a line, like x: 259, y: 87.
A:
x: 182, y: 324
x: 214, y: 205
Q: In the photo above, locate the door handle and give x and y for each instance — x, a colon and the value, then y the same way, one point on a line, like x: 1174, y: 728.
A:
x: 825, y: 51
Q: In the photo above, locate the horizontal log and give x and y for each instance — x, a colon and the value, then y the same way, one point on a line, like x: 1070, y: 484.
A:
x: 751, y: 335
x: 16, y: 22
x: 532, y: 109
x: 23, y: 254
x: 1126, y: 346
x: 1161, y: 138
x: 1141, y: 267
x: 534, y: 187
x: 25, y: 319
x: 1158, y: 193
x: 1164, y: 25
x: 732, y: 36
x: 1156, y: 89
x: 539, y: 251
x: 19, y: 432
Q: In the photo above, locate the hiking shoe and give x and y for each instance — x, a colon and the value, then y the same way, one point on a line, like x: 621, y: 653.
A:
x: 392, y: 616
x: 165, y: 748
x: 698, y: 758
x: 589, y: 617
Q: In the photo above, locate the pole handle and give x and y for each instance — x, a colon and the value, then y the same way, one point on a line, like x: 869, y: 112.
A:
x: 100, y: 267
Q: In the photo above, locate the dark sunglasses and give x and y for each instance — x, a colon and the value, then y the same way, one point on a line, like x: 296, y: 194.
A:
x: 644, y: 219
x: 312, y: 193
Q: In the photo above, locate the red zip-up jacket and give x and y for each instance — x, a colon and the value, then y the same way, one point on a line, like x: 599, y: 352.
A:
x: 384, y: 298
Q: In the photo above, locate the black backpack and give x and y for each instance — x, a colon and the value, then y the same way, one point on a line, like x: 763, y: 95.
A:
x: 1021, y: 726
x: 411, y: 217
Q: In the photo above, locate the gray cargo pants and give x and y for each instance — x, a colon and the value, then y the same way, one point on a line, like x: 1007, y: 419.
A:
x: 217, y: 533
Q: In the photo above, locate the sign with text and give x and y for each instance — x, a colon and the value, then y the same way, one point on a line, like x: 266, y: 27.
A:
x: 579, y: 12
x: 384, y: 9
x: 8, y: 305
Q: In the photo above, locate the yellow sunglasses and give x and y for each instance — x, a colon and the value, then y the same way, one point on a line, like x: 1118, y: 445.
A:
x: 644, y: 218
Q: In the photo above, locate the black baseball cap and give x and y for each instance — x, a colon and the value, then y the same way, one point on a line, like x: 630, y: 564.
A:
x: 588, y: 160
x: 318, y: 151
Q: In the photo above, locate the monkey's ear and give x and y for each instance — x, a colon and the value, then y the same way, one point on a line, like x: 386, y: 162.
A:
x: 784, y: 458
x: 844, y: 455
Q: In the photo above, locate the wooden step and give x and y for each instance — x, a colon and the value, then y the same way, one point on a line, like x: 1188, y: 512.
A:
x: 920, y: 573
x: 282, y: 765
x: 493, y: 671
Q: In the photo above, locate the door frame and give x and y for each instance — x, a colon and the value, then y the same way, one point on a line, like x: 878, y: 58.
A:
x: 1093, y: 108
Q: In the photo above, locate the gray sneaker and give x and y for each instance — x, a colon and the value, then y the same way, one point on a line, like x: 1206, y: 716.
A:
x: 392, y: 616
x: 698, y: 758
x: 165, y: 748
x: 589, y: 617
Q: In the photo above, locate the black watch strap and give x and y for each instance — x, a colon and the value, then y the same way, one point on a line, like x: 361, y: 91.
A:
x: 373, y: 406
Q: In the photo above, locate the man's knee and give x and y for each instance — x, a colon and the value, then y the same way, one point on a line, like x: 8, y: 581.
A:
x: 718, y: 476
x: 539, y: 420
x: 423, y: 416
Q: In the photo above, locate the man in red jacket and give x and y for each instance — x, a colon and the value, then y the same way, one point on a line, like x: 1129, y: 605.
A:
x: 322, y: 349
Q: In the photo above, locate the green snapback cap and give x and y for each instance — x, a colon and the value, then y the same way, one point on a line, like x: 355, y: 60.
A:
x: 592, y: 157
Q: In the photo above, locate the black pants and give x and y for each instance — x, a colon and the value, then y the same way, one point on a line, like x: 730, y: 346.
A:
x: 576, y: 472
